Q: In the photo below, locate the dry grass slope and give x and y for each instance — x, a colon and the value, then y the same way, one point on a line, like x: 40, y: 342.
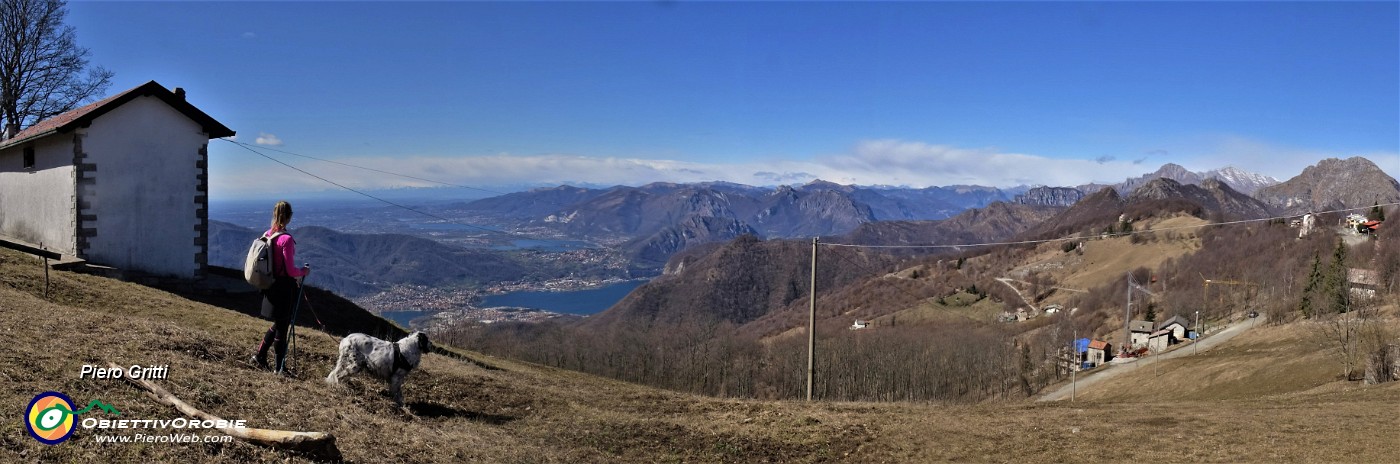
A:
x: 515, y: 412
x: 1104, y: 261
x: 462, y: 412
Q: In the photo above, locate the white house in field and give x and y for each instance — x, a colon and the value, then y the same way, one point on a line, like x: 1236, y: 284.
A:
x: 121, y: 182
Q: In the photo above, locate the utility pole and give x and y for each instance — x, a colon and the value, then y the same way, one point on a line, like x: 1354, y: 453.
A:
x: 1128, y: 316
x: 1074, y: 369
x: 812, y: 323
x: 1128, y: 310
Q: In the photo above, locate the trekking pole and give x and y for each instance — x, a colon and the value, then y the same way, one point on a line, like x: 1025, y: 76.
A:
x: 292, y: 328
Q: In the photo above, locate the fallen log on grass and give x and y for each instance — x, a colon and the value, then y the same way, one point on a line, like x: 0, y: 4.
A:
x: 315, y: 444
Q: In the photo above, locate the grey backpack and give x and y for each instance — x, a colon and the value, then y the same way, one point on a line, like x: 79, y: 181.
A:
x: 257, y: 267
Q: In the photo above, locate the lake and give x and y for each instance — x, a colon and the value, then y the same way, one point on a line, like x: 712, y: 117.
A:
x: 582, y: 302
x: 404, y: 317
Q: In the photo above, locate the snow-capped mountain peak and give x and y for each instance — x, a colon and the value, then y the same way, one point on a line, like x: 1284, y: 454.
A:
x: 1243, y: 181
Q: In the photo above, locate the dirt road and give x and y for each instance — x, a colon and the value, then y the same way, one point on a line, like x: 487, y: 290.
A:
x: 1017, y: 290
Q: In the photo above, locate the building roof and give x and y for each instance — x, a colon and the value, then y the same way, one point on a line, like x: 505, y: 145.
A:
x: 1140, y: 326
x: 1362, y: 277
x: 1185, y: 323
x: 1160, y: 333
x: 1098, y: 345
x: 83, y: 116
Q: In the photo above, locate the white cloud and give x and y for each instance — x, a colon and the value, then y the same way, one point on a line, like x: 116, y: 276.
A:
x: 876, y: 162
x: 268, y: 139
x: 871, y: 162
x: 249, y: 35
x: 918, y: 164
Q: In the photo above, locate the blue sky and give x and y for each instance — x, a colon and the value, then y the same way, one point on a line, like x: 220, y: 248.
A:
x: 505, y: 94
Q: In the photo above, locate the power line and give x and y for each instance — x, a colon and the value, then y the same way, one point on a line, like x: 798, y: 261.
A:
x: 1067, y: 239
x: 874, y: 273
x: 406, y: 176
x: 248, y: 147
x: 425, y: 213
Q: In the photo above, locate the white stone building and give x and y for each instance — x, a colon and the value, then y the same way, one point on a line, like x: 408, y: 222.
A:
x: 1179, y: 326
x: 1097, y: 353
x: 121, y: 182
x: 1158, y: 341
x: 1140, y: 331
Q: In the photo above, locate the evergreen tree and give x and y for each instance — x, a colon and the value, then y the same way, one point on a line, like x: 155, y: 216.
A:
x: 1336, y: 292
x: 1314, y: 280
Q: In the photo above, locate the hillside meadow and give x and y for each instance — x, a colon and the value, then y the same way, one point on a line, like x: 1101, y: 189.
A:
x: 474, y: 408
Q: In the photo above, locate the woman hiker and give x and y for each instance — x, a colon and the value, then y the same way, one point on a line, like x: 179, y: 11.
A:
x: 282, y: 295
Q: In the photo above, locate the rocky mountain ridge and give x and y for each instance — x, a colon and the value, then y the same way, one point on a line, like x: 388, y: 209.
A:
x: 1332, y: 184
x: 1239, y: 180
x: 1050, y: 196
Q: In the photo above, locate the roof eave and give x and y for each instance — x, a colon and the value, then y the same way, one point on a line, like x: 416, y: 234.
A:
x: 211, y: 127
x: 17, y: 142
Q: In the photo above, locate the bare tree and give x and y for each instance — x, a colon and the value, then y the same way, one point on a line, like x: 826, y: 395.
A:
x: 1354, y: 334
x: 43, y: 71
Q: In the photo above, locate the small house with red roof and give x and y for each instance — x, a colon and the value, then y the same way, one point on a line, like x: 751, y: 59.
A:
x: 1091, y: 353
x: 122, y: 182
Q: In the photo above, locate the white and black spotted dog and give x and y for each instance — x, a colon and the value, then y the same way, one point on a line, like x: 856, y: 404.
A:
x: 388, y: 361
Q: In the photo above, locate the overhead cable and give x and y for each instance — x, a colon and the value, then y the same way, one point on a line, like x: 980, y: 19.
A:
x: 1068, y: 239
x: 424, y: 213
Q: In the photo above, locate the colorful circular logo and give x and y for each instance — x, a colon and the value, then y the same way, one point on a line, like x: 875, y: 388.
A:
x: 49, y: 418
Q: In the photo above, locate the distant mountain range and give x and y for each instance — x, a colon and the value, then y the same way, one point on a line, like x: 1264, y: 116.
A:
x: 651, y: 222
x: 1241, y: 181
x: 625, y: 213
x: 1238, y: 180
x: 744, y: 281
x: 654, y: 221
x: 1214, y: 197
x: 816, y: 208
